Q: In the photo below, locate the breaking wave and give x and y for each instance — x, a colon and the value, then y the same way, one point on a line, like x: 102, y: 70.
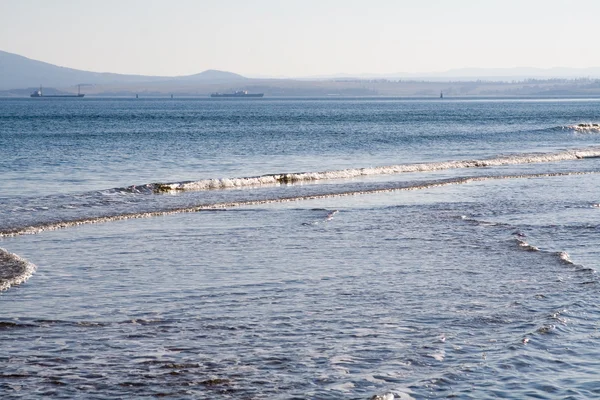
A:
x: 584, y: 127
x: 14, y: 270
x: 34, y: 229
x: 300, y: 177
x: 526, y: 246
x: 562, y: 256
x: 565, y: 258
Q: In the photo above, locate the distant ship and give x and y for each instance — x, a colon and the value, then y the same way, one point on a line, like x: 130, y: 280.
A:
x: 239, y: 93
x: 39, y: 93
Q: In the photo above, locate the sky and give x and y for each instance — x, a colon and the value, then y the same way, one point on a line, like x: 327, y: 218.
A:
x: 279, y: 38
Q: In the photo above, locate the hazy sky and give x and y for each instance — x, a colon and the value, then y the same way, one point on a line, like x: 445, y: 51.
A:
x: 301, y: 38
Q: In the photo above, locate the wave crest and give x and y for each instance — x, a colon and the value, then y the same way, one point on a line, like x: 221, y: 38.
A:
x: 299, y: 177
x: 14, y: 270
x: 587, y: 127
x: 526, y: 246
x: 33, y: 229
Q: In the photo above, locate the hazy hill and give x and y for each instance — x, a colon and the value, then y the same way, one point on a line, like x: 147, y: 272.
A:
x: 18, y: 72
x: 212, y: 76
x: 518, y: 73
x: 19, y: 76
x: 474, y: 74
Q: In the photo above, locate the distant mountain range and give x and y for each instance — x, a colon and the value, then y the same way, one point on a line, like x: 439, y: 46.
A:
x: 19, y: 76
x: 523, y: 73
x: 18, y: 72
x: 473, y: 74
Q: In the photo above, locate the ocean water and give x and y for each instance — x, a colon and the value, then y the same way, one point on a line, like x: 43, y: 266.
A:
x: 299, y: 248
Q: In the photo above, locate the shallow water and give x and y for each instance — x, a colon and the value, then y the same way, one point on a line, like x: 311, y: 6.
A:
x: 423, y: 284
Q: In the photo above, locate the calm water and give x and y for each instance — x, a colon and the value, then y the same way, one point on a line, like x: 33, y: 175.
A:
x: 315, y: 248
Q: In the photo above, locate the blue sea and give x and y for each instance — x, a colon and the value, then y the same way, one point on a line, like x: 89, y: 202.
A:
x: 288, y: 248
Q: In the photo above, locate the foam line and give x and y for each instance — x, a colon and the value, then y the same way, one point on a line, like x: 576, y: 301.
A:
x: 299, y: 177
x: 446, y: 182
x: 526, y: 246
x: 562, y: 256
x: 585, y: 127
x: 14, y: 270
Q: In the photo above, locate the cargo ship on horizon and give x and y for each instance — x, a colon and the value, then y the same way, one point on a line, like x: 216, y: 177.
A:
x: 39, y: 93
x: 238, y: 93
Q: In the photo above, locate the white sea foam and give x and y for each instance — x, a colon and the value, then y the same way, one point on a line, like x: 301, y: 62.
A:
x: 439, y: 355
x: 564, y: 257
x: 330, y: 215
x: 585, y: 127
x: 395, y: 394
x: 291, y: 178
x: 455, y: 181
x: 384, y: 396
x: 14, y: 270
x: 526, y: 246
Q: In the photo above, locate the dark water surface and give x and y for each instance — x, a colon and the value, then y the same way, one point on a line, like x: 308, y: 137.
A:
x: 454, y: 279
